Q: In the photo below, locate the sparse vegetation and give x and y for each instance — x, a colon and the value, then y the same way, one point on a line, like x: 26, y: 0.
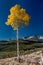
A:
x: 8, y: 48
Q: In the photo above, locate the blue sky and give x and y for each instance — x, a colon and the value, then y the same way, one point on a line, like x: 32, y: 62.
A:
x: 33, y: 7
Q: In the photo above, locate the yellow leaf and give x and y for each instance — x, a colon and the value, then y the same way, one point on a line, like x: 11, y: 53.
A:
x: 17, y: 16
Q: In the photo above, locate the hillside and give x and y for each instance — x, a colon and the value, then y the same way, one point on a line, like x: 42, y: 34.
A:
x: 9, y: 49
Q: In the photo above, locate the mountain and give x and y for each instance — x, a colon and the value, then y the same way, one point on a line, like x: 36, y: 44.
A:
x: 34, y: 39
x: 41, y: 37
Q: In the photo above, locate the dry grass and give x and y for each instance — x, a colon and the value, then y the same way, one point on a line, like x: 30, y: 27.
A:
x: 28, y: 59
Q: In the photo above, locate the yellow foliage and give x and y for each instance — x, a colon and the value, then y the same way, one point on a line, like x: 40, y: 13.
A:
x: 17, y: 16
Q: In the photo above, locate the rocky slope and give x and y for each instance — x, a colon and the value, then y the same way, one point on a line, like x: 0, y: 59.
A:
x: 28, y: 59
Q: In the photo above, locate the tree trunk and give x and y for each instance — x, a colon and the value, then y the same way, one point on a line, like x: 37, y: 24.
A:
x: 17, y: 46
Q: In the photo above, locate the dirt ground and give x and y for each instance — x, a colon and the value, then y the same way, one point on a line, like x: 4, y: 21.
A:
x: 28, y: 59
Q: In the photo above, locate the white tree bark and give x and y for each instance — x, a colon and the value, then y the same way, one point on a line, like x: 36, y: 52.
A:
x: 17, y: 46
